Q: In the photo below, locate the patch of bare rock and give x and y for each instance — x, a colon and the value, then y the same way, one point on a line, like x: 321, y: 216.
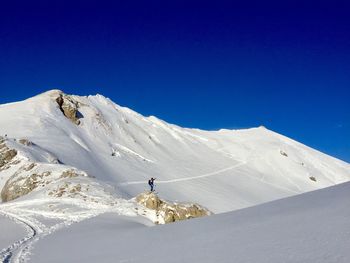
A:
x: 168, y: 212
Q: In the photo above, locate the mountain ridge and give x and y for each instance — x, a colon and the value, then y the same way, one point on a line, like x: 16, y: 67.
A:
x: 67, y: 158
x: 123, y: 148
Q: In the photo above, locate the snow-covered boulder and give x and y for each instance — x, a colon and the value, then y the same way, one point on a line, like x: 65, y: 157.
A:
x: 167, y: 212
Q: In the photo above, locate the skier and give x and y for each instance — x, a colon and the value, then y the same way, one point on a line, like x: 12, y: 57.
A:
x: 151, y: 183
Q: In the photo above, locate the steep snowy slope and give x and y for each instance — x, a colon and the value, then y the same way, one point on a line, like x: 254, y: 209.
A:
x: 222, y: 170
x: 312, y: 227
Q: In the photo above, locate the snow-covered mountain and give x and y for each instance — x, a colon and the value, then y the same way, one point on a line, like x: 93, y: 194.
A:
x: 65, y: 158
x: 223, y: 170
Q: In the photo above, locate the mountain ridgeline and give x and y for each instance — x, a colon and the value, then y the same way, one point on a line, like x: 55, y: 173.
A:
x: 90, y: 149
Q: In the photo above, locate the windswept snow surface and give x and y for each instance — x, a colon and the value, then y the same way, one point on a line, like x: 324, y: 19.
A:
x: 312, y: 227
x: 222, y: 170
x: 84, y: 174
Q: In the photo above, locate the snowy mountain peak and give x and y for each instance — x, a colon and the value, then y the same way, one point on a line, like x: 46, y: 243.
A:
x: 121, y: 148
x: 67, y: 158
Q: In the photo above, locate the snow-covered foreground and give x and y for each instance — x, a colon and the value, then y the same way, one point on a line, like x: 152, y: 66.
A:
x: 70, y: 167
x: 38, y: 218
x: 312, y: 227
x: 13, y: 230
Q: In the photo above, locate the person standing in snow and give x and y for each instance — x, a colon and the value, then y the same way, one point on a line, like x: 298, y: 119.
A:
x: 151, y: 183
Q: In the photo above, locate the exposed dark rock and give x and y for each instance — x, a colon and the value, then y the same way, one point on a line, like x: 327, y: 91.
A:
x: 283, y: 153
x: 313, y: 178
x: 25, y: 142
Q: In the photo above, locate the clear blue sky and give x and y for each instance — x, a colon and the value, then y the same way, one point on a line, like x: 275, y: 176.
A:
x: 205, y: 64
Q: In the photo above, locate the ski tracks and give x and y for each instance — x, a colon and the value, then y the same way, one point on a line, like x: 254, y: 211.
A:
x: 7, y: 253
x: 20, y: 250
x: 217, y: 172
x: 214, y: 173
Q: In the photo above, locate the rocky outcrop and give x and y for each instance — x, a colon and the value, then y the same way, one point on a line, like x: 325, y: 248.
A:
x: 67, y: 189
x: 283, y: 153
x: 25, y: 142
x: 69, y: 107
x: 168, y: 212
x: 21, y: 184
x: 18, y: 186
x: 69, y: 174
x: 176, y: 212
x: 149, y: 200
x: 6, y: 154
x: 313, y: 178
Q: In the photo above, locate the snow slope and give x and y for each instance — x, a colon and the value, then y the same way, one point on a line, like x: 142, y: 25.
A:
x: 75, y: 168
x: 222, y: 170
x: 312, y: 227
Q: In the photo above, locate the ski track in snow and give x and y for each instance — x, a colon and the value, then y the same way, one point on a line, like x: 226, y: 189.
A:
x: 20, y: 250
x: 242, y: 163
x: 7, y: 254
x: 186, y: 178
